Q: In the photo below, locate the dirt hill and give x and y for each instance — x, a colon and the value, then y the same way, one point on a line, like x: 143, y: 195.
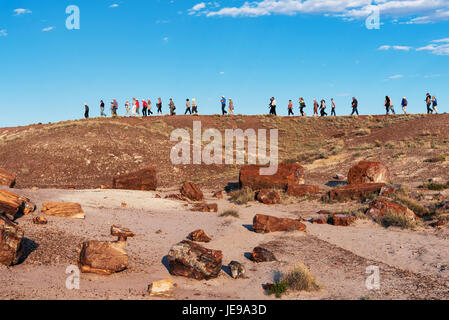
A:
x: 88, y: 153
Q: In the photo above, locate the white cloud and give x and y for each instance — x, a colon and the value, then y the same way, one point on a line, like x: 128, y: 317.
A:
x: 202, y: 7
x: 439, y: 50
x: 398, y: 48
x: 3, y: 33
x: 165, y: 39
x: 115, y: 5
x: 396, y: 76
x: 222, y: 73
x: 421, y: 10
x: 48, y: 29
x: 21, y: 11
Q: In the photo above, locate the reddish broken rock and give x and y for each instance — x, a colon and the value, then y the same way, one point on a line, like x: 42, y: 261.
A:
x: 63, y: 210
x: 40, y: 220
x: 379, y: 208
x: 12, y: 204
x: 355, y: 191
x: 11, y: 237
x: 287, y: 173
x: 343, y: 220
x: 260, y: 254
x: 176, y: 197
x: 192, y: 191
x: 268, y: 197
x: 390, y: 189
x: 205, y: 207
x: 143, y: 180
x: 191, y: 260
x: 199, y: 236
x: 218, y: 195
x: 325, y: 212
x: 368, y: 172
x: 7, y: 179
x: 267, y: 224
x: 319, y: 220
x: 122, y: 233
x: 302, y: 190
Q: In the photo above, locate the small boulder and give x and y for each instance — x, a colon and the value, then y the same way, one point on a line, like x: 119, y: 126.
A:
x: 176, y: 197
x: 199, y: 236
x: 302, y: 190
x: 40, y: 220
x: 218, y: 195
x: 205, y: 207
x: 12, y: 204
x: 355, y: 191
x: 63, y: 210
x: 161, y: 288
x: 267, y: 224
x: 287, y: 173
x: 191, y: 260
x: 143, y: 180
x: 369, y: 172
x: 342, y: 220
x: 121, y: 233
x: 7, y: 179
x: 11, y: 237
x: 266, y: 196
x: 379, y: 208
x: 260, y: 254
x: 237, y: 270
x: 192, y: 191
x: 103, y: 257
x: 319, y: 220
x: 390, y: 189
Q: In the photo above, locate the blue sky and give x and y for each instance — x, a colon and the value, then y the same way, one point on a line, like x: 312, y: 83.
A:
x: 193, y: 49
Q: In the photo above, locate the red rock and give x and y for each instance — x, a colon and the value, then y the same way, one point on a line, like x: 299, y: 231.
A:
x: 192, y: 191
x: 12, y: 204
x: 143, y: 180
x: 260, y: 254
x: 390, y: 189
x: 7, y: 178
x: 302, y: 190
x: 325, y: 212
x: 368, y: 172
x: 191, y: 260
x: 439, y: 223
x: 319, y: 220
x: 288, y: 173
x: 39, y: 220
x: 218, y: 195
x: 158, y: 197
x: 267, y: 224
x: 63, y: 210
x: 205, y: 207
x: 122, y: 233
x: 11, y: 237
x: 379, y: 208
x: 343, y: 220
x: 176, y: 197
x: 268, y: 197
x: 355, y: 191
x: 103, y: 257
x: 199, y: 236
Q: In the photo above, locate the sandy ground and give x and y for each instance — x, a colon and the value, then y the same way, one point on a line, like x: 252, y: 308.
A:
x: 413, y: 264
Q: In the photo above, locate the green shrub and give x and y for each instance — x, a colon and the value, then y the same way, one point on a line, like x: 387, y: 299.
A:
x: 230, y: 213
x: 392, y: 219
x: 242, y: 196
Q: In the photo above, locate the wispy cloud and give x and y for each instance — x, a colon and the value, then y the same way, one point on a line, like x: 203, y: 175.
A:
x: 3, y: 33
x: 115, y: 5
x: 20, y: 11
x: 396, y: 76
x: 438, y: 47
x: 48, y: 29
x: 397, y: 48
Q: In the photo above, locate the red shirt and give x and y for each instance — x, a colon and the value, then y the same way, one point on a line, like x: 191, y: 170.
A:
x: 137, y: 104
x: 144, y: 104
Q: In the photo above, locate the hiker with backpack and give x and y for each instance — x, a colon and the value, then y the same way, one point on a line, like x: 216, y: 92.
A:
x: 429, y: 103
x: 355, y: 106
x: 434, y: 104
x: 172, y: 107
x: 144, y: 108
x: 290, y: 108
x: 159, y: 106
x: 404, y: 104
x: 302, y: 106
x: 188, y: 108
x: 323, y: 108
x: 333, y: 113
x: 387, y: 105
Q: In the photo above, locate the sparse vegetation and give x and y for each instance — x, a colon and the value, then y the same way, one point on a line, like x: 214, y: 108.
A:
x: 362, y: 132
x: 242, y: 196
x: 412, y: 204
x: 392, y: 219
x: 440, y: 158
x: 230, y: 213
x: 298, y: 279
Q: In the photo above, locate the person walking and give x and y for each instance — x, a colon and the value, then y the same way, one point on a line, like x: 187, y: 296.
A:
x: 194, y: 106
x: 355, y: 106
x: 144, y: 108
x: 127, y: 108
x: 290, y: 108
x: 231, y: 107
x: 172, y: 107
x: 102, y: 114
x: 387, y: 105
x: 86, y: 111
x: 429, y: 103
x: 302, y: 106
x: 114, y: 108
x: 159, y: 106
x: 323, y: 108
x: 138, y: 107
x: 273, y: 105
x: 188, y: 107
x: 333, y: 112
x: 315, y: 107
x: 149, y: 107
x: 134, y: 107
x: 392, y: 106
x: 434, y: 104
x: 223, y: 105
x: 404, y: 104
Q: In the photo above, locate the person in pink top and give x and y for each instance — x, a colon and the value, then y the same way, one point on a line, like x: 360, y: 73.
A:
x: 137, y: 107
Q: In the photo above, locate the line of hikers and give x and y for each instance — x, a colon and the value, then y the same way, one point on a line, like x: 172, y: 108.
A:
x: 319, y: 109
